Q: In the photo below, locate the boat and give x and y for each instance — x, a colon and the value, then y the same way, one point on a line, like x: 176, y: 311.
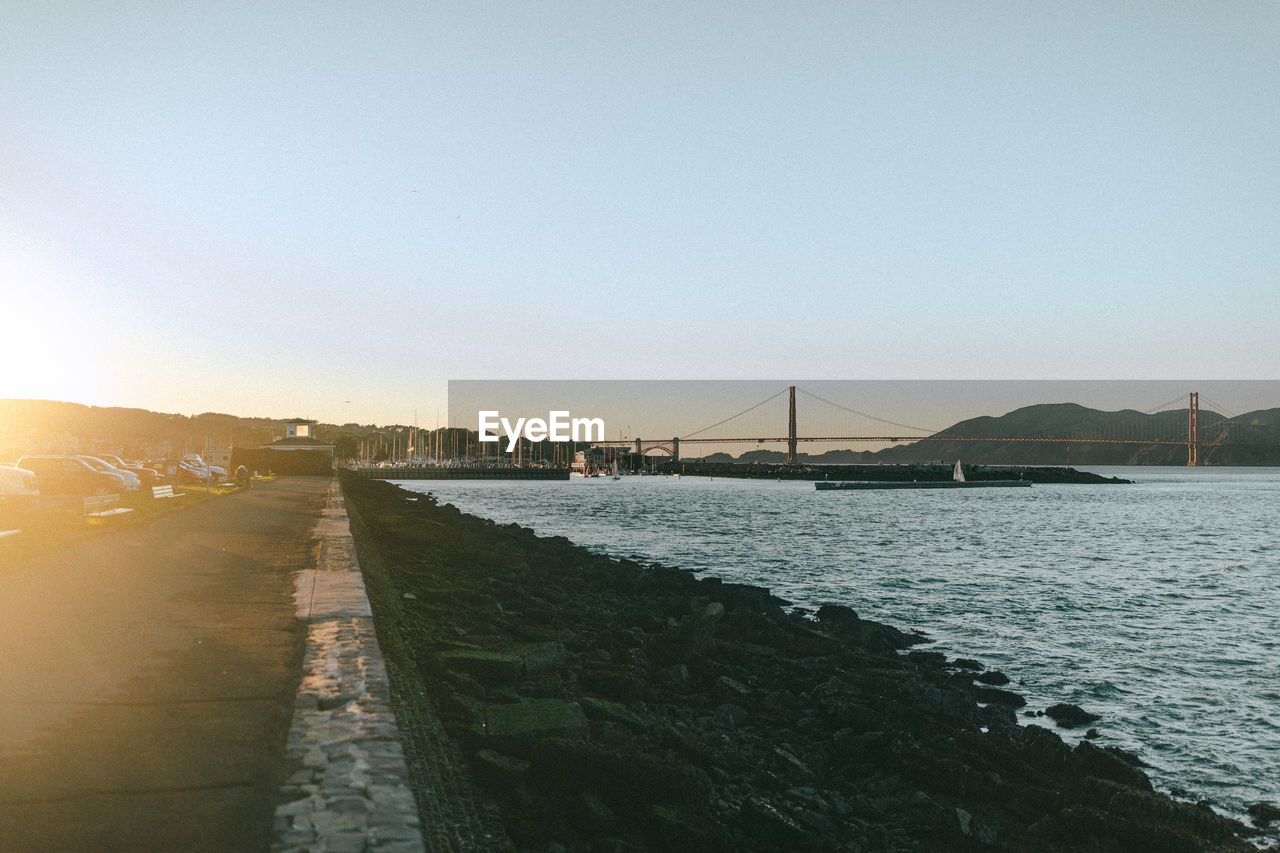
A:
x: 615, y: 471
x: 957, y: 481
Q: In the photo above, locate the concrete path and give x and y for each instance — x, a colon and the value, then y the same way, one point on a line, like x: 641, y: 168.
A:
x: 148, y: 678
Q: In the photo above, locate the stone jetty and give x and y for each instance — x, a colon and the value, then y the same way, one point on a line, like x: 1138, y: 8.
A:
x: 601, y: 704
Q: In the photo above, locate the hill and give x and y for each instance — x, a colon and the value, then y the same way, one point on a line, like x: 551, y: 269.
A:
x: 1249, y: 439
x: 30, y: 426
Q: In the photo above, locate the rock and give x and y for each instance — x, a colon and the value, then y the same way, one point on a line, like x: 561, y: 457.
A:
x: 967, y: 663
x: 593, y: 813
x: 1263, y: 813
x: 972, y: 828
x: 668, y: 829
x: 485, y: 667
x: 1069, y: 716
x: 729, y: 716
x: 992, y: 676
x: 497, y: 771
x: 676, y: 674
x: 730, y: 687
x: 516, y: 728
x: 937, y: 659
x: 925, y: 809
x: 1109, y: 764
x: 614, y: 712
x: 818, y: 822
x: 761, y: 820
x: 996, y: 696
x: 838, y: 618
x: 626, y: 779
x: 704, y: 627
x: 787, y: 765
x: 540, y: 657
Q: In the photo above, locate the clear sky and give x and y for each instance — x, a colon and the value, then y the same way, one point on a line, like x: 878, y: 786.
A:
x: 330, y: 209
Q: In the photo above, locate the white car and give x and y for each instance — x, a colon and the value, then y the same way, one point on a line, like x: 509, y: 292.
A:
x: 131, y: 480
x: 19, y: 489
x: 196, y: 461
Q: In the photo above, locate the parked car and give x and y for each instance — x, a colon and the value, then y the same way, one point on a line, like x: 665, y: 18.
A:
x: 19, y: 490
x: 71, y: 475
x: 216, y: 474
x: 188, y: 473
x: 131, y: 480
x: 148, y: 476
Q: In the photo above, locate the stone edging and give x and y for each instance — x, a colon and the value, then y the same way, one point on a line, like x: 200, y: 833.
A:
x: 352, y: 793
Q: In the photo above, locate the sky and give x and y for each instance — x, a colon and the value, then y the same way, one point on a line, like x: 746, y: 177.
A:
x: 330, y: 210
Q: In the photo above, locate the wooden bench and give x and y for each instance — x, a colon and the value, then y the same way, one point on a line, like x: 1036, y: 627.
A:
x: 159, y: 492
x: 104, y: 506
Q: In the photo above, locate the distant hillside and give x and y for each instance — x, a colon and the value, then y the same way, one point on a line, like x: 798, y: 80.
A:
x: 1250, y: 439
x: 28, y: 426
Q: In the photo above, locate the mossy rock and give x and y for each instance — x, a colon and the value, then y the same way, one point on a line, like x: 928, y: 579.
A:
x: 614, y: 712
x: 515, y: 728
x: 498, y: 771
x: 539, y: 657
x: 485, y: 667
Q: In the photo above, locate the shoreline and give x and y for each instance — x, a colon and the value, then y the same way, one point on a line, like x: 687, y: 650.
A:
x: 605, y: 704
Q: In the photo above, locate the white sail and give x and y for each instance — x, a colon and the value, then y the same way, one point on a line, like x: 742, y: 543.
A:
x: 958, y: 475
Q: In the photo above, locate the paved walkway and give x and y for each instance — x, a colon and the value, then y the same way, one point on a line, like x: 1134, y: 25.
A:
x: 148, y: 678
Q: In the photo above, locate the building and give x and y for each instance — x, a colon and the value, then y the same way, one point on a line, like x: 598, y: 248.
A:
x: 297, y: 437
x: 297, y: 453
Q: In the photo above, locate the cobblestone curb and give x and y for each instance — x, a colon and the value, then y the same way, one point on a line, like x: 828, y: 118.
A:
x: 352, y: 793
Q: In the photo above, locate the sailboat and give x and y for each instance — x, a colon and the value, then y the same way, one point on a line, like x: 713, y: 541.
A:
x: 958, y: 474
x: 615, y: 470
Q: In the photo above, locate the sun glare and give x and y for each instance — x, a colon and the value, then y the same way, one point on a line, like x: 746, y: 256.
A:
x: 49, y: 347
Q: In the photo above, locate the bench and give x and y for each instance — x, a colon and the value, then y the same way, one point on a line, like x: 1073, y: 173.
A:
x: 104, y: 506
x: 159, y: 492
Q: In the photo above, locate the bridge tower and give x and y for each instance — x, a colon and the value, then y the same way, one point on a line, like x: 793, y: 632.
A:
x: 675, y: 449
x: 791, y: 426
x: 1193, y: 432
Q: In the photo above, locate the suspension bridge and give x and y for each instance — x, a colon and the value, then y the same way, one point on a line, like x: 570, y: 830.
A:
x: 1157, y: 427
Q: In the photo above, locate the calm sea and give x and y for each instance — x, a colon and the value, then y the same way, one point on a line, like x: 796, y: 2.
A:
x: 1155, y: 605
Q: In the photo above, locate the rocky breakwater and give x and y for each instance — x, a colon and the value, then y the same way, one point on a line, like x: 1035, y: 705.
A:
x: 606, y: 705
x: 887, y: 473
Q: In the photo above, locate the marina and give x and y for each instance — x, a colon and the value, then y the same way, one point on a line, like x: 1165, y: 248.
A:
x: 463, y: 472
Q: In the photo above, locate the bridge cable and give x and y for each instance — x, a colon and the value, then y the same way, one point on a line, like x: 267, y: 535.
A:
x: 1181, y: 398
x: 731, y: 417
x: 1220, y: 409
x: 864, y: 414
